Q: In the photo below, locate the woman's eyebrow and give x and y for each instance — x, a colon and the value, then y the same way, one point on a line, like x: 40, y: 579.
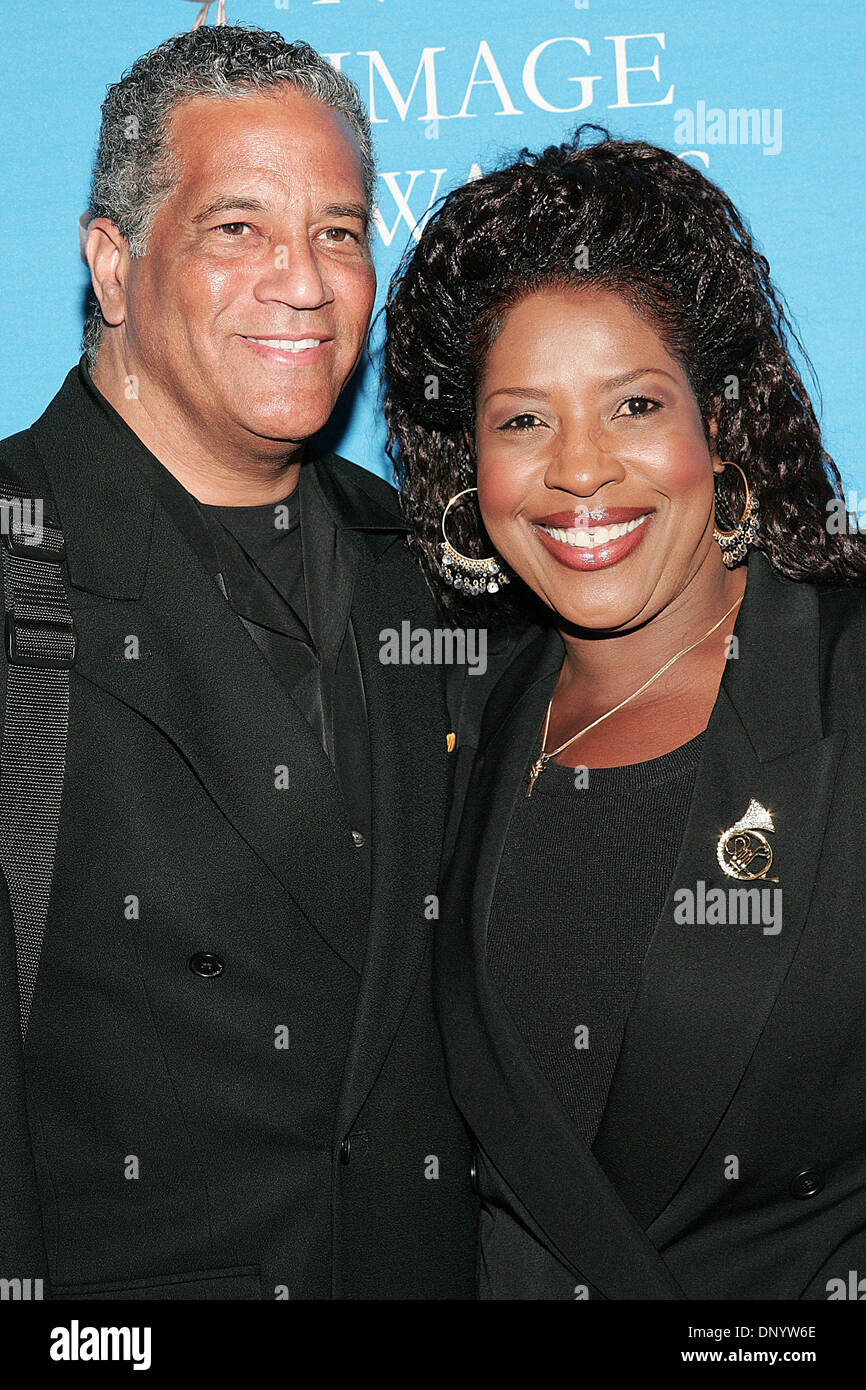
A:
x: 527, y: 393
x: 530, y: 393
x: 614, y: 381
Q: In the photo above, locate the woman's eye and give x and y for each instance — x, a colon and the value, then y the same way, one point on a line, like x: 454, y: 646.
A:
x: 521, y: 423
x: 644, y: 406
x: 233, y: 229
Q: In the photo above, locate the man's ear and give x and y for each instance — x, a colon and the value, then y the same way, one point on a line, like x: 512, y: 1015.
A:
x: 107, y: 255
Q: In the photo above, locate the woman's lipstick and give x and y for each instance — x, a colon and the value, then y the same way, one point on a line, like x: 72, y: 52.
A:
x: 593, y: 538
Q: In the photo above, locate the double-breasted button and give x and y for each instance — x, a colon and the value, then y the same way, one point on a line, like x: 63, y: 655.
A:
x: 358, y: 839
x: 206, y: 964
x: 807, y: 1183
x: 473, y: 1176
x: 355, y: 1146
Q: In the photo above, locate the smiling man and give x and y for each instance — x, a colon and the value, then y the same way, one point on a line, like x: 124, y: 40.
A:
x: 231, y: 1083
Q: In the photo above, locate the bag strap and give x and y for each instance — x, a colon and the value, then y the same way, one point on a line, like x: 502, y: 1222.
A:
x: 40, y: 649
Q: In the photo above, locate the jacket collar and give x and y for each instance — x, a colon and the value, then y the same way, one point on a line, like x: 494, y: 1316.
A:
x: 778, y: 621
x: 355, y: 499
x: 99, y: 468
x: 98, y: 472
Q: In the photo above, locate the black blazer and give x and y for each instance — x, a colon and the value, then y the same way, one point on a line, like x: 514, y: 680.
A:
x: 740, y: 1045
x: 154, y: 1140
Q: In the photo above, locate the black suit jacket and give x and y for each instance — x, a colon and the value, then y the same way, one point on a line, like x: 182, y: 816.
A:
x: 741, y: 1045
x: 282, y: 1129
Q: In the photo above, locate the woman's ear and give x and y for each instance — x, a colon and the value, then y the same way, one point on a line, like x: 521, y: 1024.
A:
x: 713, y: 428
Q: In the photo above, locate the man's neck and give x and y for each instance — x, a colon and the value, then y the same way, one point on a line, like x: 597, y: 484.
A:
x: 225, y: 475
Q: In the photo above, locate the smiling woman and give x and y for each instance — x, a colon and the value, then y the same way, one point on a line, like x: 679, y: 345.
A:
x: 590, y: 339
x: 683, y: 281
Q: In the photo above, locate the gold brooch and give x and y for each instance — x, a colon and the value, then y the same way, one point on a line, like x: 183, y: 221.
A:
x: 744, y: 851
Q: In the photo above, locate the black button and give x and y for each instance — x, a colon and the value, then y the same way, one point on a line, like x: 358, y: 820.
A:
x: 346, y: 1149
x: 473, y: 1176
x: 358, y: 838
x: 807, y: 1184
x: 206, y: 965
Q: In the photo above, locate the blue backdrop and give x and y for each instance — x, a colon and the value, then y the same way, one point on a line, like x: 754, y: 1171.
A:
x: 766, y: 96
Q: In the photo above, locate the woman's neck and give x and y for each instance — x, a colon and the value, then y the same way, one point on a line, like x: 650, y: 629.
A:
x: 612, y: 664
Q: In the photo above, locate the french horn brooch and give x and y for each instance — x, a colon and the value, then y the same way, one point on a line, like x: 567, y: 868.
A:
x: 744, y: 851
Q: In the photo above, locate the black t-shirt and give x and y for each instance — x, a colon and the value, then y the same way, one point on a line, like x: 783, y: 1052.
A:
x: 271, y: 536
x: 581, y: 886
x: 322, y: 674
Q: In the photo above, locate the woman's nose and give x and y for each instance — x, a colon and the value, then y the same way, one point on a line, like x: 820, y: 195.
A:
x: 580, y: 464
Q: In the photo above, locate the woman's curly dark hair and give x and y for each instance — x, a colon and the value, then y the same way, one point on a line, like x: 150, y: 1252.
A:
x: 657, y: 231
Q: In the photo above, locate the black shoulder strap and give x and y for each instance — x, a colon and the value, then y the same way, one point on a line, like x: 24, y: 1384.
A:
x: 40, y: 649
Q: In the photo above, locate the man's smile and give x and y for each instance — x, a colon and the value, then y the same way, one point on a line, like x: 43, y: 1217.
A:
x: 285, y: 349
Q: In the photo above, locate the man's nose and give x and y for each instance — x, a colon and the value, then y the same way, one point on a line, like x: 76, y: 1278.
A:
x: 294, y: 276
x: 581, y: 464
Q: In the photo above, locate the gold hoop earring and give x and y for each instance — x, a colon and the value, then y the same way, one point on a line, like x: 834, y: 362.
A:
x: 462, y: 571
x: 734, y: 544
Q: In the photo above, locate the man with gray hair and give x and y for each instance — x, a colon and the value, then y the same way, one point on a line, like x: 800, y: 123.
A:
x: 222, y: 1075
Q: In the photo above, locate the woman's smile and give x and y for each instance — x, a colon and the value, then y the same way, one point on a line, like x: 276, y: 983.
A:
x: 599, y: 540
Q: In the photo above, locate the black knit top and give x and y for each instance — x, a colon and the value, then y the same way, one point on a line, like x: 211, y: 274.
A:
x: 581, y: 885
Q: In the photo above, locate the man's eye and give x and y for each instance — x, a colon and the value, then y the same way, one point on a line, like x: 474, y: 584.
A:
x: 645, y: 406
x: 233, y: 229
x: 521, y: 423
x: 342, y: 234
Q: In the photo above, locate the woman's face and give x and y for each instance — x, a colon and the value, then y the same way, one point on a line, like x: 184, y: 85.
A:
x: 595, y: 481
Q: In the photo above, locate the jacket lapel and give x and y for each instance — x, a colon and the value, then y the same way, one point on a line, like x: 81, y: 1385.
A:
x: 198, y: 675
x: 202, y: 680
x: 706, y: 990
x: 517, y: 1121
x: 408, y: 725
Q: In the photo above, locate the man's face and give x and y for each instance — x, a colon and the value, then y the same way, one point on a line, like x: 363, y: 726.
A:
x: 249, y: 311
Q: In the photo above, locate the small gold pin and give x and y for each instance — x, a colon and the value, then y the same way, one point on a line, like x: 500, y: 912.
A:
x: 744, y: 851
x: 450, y: 742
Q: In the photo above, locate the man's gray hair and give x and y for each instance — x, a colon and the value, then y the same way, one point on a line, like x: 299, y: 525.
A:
x: 135, y: 168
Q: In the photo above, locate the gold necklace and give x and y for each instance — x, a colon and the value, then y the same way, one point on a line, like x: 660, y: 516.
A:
x: 541, y: 762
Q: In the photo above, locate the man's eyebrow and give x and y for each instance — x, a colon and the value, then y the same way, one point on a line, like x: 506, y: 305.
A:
x: 226, y: 204
x: 346, y: 210
x: 241, y: 204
